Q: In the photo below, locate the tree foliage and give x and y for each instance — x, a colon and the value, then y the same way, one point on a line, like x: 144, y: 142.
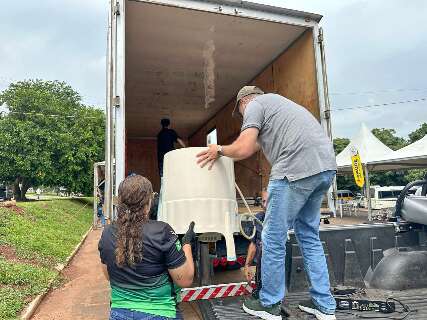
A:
x: 48, y: 137
x: 389, y: 138
x: 340, y: 144
x: 419, y: 133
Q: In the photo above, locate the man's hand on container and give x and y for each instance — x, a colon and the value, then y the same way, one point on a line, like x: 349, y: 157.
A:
x: 208, y: 156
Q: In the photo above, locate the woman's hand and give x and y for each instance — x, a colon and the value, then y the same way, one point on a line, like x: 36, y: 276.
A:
x: 190, y: 236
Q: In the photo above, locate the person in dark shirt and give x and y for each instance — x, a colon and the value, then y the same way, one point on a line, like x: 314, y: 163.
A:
x: 255, y: 249
x: 166, y: 140
x: 144, y: 261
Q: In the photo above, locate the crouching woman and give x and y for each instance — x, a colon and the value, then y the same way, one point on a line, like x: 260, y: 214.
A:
x: 143, y: 259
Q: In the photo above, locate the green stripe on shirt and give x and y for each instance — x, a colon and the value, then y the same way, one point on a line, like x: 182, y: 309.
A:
x: 156, y: 300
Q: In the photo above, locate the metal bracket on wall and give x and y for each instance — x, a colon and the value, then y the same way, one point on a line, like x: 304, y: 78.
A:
x: 116, y: 101
x: 320, y: 36
x: 117, y: 9
x: 327, y: 114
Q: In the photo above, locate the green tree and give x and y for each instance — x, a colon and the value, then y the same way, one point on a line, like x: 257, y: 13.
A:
x: 418, y: 133
x: 401, y: 177
x: 417, y: 174
x: 389, y: 138
x: 389, y: 178
x: 48, y: 137
x: 340, y: 144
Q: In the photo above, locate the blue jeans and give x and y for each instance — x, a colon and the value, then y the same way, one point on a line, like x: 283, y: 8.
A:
x: 101, y: 216
x: 125, y: 314
x: 295, y: 203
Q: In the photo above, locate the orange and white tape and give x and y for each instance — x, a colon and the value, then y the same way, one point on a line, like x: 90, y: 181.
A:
x: 217, y: 291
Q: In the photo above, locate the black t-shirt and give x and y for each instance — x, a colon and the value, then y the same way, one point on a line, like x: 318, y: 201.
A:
x: 165, y: 141
x: 161, y: 251
x: 147, y: 287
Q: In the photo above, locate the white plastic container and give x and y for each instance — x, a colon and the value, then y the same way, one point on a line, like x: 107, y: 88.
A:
x: 207, y: 197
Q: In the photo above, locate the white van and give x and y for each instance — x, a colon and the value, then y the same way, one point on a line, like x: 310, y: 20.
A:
x: 386, y: 197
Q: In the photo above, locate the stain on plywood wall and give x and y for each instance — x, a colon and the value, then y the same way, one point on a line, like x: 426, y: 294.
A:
x: 293, y: 75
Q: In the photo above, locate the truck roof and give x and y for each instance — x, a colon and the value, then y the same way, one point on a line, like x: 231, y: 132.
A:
x: 272, y: 9
x: 187, y: 59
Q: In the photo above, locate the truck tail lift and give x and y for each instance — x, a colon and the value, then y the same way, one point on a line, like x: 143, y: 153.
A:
x: 377, y: 270
x: 344, y: 298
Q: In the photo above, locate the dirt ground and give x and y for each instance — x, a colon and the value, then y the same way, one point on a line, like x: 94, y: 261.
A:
x: 360, y: 216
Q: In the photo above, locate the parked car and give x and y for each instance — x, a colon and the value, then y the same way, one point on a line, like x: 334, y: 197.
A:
x: 345, y: 195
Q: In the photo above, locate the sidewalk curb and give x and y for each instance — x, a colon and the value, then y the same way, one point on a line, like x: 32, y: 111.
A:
x: 28, y: 312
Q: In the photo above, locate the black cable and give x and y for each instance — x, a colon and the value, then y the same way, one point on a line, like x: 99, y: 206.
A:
x: 374, y: 92
x: 379, y: 104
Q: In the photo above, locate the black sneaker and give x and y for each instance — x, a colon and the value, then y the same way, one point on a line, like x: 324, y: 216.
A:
x: 255, y: 308
x: 309, y: 307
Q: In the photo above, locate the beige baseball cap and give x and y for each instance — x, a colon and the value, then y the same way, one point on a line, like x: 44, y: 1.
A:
x: 244, y: 92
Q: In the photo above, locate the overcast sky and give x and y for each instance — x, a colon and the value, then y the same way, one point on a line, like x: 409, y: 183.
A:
x: 376, y: 53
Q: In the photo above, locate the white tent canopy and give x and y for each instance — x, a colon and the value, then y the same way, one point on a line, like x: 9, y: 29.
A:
x: 376, y: 156
x: 411, y: 156
x: 370, y: 149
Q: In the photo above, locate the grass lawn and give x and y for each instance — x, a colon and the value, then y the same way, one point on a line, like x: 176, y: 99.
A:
x: 34, y: 238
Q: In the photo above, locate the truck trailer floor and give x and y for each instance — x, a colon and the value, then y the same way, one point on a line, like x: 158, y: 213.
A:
x: 231, y: 308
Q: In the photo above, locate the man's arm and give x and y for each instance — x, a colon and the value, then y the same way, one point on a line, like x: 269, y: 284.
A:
x: 244, y: 146
x: 181, y: 142
x: 249, y: 259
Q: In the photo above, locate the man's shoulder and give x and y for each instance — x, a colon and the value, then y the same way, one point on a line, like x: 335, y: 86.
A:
x: 268, y: 97
x: 161, y: 133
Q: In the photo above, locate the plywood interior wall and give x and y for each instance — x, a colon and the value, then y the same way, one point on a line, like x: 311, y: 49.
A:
x: 292, y: 75
x: 141, y: 158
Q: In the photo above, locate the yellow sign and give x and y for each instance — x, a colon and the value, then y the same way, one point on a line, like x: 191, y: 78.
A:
x: 356, y: 164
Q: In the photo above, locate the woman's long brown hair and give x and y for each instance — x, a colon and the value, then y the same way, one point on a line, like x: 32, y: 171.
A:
x: 135, y: 193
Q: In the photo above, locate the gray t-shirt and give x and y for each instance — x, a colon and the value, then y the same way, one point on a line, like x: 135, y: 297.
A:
x: 291, y: 138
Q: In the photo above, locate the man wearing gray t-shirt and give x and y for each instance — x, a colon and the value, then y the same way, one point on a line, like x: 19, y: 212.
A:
x: 302, y: 169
